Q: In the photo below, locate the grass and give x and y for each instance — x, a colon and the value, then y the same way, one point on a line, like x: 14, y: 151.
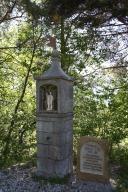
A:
x: 54, y: 180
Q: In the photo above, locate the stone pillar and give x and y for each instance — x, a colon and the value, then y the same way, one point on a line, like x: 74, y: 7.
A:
x: 54, y: 121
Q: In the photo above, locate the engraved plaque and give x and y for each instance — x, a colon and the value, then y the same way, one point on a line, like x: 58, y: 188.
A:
x: 93, y: 159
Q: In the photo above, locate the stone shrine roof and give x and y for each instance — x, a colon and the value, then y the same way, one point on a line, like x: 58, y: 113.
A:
x: 55, y: 71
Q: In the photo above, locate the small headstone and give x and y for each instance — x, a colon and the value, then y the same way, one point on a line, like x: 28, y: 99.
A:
x: 93, y: 159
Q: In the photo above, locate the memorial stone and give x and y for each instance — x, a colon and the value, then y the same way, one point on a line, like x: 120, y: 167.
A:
x: 93, y: 159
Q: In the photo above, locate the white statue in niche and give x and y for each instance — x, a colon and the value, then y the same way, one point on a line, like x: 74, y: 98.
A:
x: 49, y: 99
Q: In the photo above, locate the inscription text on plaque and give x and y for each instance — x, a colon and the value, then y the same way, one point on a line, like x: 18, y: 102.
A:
x: 93, y: 159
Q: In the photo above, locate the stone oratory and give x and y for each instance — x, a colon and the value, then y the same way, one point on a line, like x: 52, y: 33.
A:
x: 54, y: 99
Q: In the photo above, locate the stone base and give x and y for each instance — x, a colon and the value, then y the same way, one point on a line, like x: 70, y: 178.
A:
x: 54, y: 145
x: 52, y: 169
x: 41, y: 175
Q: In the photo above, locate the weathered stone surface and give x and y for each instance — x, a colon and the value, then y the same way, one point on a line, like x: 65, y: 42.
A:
x: 44, y: 138
x: 55, y: 153
x: 54, y: 123
x: 93, y: 159
x: 42, y: 150
x: 46, y: 167
x: 45, y: 126
x: 54, y: 168
x: 54, y: 138
x: 64, y: 167
x: 66, y: 92
x: 60, y: 152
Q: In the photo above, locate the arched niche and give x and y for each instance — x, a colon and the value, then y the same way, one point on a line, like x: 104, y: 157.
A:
x: 48, y: 98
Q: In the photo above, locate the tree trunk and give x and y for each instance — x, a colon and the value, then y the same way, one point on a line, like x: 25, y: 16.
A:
x: 63, y: 51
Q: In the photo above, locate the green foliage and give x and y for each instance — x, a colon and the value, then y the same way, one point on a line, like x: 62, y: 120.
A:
x: 100, y: 99
x: 121, y: 178
x: 17, y: 118
x: 120, y: 154
x: 122, y: 182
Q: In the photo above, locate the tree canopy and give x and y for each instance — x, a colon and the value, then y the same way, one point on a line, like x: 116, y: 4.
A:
x: 90, y: 35
x: 93, y: 13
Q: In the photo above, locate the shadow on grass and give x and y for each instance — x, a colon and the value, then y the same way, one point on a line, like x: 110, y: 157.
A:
x: 55, y: 180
